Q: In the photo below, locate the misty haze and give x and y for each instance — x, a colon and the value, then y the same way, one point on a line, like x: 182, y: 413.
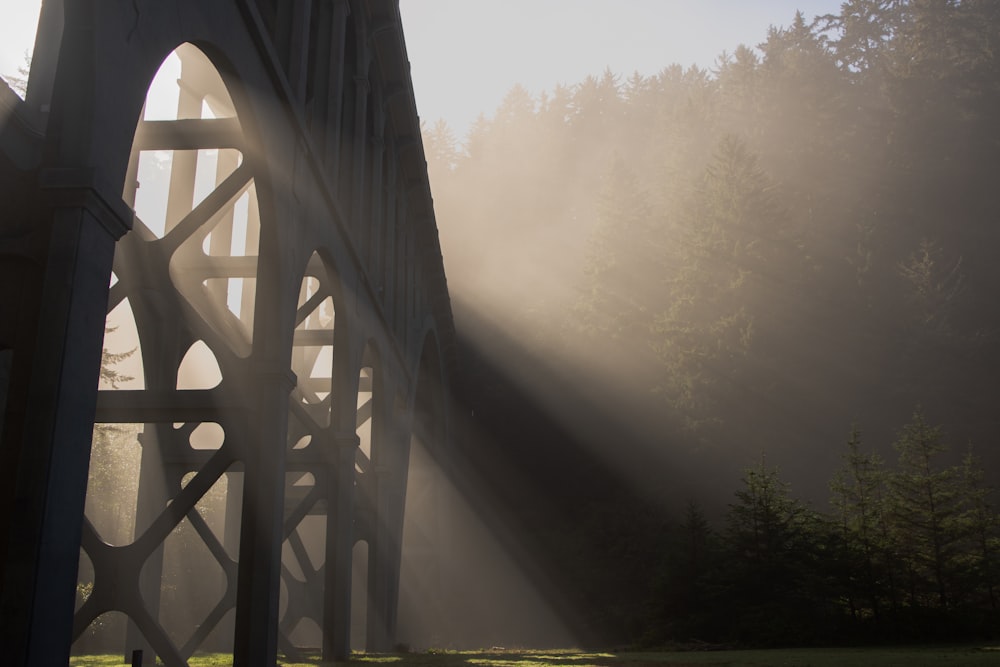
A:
x: 726, y: 339
x: 669, y: 288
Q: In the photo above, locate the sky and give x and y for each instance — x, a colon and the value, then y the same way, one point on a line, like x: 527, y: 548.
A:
x: 466, y: 54
x: 17, y: 32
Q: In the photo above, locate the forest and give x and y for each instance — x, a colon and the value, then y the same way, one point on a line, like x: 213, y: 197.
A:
x: 683, y: 300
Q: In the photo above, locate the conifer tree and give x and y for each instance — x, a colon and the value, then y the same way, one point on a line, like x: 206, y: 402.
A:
x: 765, y: 520
x: 980, y: 528
x: 925, y: 512
x: 775, y: 546
x: 731, y: 228
x: 858, y: 492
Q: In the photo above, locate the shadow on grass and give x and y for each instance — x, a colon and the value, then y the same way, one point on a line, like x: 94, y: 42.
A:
x: 930, y: 656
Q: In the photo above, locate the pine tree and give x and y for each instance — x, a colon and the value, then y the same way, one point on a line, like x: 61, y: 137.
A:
x: 858, y: 490
x: 776, y: 548
x: 979, y: 526
x: 765, y: 521
x: 19, y: 82
x: 731, y: 229
x: 620, y: 262
x: 925, y: 512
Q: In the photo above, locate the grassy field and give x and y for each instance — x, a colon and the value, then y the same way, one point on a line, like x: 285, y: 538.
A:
x: 932, y: 656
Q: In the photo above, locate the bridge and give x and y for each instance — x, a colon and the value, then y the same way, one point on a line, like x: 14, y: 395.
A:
x: 222, y: 298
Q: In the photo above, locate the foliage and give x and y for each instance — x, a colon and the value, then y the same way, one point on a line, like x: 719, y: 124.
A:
x: 19, y: 82
x: 909, y: 552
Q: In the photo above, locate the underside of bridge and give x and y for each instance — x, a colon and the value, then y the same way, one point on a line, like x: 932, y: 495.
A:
x: 224, y: 326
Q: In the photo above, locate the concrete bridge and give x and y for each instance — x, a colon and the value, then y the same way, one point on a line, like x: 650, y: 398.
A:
x: 219, y: 265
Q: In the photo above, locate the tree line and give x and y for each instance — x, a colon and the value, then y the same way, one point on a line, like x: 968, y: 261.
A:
x: 815, y: 213
x: 906, y: 553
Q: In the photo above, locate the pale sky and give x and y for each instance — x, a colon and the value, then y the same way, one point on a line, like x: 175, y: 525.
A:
x: 18, y: 21
x: 466, y: 54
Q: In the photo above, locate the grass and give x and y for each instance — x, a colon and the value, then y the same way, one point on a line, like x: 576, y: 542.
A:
x: 930, y: 656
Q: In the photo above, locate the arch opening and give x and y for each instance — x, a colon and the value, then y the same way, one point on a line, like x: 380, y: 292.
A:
x: 180, y: 318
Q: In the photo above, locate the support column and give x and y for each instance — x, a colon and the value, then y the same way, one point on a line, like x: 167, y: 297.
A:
x: 397, y: 508
x: 293, y: 36
x: 376, y: 638
x: 390, y: 269
x: 339, y: 548
x: 256, y: 639
x: 40, y: 578
x: 330, y: 79
x: 383, y: 554
x: 375, y: 225
x: 156, y: 485
x: 358, y: 180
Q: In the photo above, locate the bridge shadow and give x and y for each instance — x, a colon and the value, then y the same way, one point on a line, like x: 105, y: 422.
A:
x: 494, y: 657
x: 536, y: 448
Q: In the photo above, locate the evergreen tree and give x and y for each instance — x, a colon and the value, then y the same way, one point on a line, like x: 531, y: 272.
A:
x: 925, y: 512
x: 19, y: 82
x: 732, y: 228
x: 979, y: 526
x: 858, y: 493
x: 765, y: 521
x: 685, y: 590
x: 775, y: 546
x: 621, y: 258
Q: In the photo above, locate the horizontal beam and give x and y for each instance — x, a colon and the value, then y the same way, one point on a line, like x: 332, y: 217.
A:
x: 148, y: 407
x: 188, y: 134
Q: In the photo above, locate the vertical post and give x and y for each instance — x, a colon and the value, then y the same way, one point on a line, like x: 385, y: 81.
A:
x: 153, y: 493
x: 374, y: 226
x: 384, y: 551
x: 339, y: 547
x: 356, y: 179
x: 335, y: 93
x: 376, y: 638
x: 390, y: 269
x: 40, y: 578
x: 298, y: 46
x: 256, y: 637
x: 397, y: 509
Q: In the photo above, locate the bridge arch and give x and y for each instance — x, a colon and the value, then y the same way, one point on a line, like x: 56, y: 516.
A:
x: 329, y: 147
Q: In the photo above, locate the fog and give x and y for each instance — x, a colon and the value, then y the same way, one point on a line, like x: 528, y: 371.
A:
x: 659, y: 282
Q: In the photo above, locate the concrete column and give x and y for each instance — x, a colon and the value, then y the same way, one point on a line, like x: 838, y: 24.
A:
x: 221, y: 240
x: 391, y: 268
x: 377, y: 639
x: 383, y: 555
x: 40, y: 577
x: 180, y: 195
x: 397, y: 506
x: 156, y: 486
x: 357, y: 191
x: 332, y: 114
x: 256, y: 638
x: 293, y: 35
x: 339, y: 547
x: 375, y: 224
